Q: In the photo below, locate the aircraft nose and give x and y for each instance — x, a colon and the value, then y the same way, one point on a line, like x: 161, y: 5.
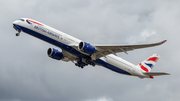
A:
x: 16, y: 27
x: 16, y: 22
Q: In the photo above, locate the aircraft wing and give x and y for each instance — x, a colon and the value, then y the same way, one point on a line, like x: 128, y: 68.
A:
x: 102, y: 51
x: 68, y: 57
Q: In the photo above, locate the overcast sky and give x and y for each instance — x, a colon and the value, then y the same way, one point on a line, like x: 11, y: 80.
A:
x: 28, y: 74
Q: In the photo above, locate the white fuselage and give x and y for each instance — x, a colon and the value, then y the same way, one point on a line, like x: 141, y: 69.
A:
x: 64, y: 41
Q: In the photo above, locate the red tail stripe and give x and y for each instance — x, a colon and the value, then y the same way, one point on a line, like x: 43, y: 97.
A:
x: 155, y: 59
x: 34, y: 22
x: 143, y: 68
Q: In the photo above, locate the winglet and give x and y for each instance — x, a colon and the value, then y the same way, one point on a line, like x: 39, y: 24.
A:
x: 163, y: 41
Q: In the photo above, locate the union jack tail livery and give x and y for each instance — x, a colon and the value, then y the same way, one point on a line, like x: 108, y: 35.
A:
x: 149, y: 63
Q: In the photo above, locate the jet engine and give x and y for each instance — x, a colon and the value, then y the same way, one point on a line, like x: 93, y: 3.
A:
x: 54, y: 53
x: 86, y: 48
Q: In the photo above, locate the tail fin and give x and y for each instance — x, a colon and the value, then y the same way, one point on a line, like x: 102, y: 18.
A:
x: 148, y: 64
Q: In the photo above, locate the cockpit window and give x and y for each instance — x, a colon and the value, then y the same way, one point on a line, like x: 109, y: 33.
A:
x: 21, y: 19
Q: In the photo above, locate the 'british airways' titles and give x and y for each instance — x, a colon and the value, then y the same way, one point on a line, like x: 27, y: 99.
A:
x: 46, y: 31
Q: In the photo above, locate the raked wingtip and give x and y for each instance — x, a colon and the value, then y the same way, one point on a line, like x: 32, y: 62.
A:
x: 164, y: 41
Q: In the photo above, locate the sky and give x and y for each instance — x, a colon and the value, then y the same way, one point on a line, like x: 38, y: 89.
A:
x: 28, y: 74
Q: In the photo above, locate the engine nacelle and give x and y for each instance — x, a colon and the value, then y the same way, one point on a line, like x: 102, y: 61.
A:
x: 54, y: 53
x: 86, y: 48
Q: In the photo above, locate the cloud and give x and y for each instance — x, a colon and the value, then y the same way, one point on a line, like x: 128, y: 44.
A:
x: 143, y: 36
x: 101, y: 99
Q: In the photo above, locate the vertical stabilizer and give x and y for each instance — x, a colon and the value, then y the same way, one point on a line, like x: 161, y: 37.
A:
x: 149, y: 63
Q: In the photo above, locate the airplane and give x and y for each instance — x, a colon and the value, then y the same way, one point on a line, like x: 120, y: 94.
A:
x: 83, y: 53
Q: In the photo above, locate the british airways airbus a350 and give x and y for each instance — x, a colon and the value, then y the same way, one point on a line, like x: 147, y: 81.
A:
x: 83, y: 53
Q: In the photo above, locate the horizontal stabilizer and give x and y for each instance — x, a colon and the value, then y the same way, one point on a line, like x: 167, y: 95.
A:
x: 156, y: 73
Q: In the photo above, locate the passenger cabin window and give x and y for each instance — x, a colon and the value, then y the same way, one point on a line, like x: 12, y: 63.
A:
x: 21, y: 19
